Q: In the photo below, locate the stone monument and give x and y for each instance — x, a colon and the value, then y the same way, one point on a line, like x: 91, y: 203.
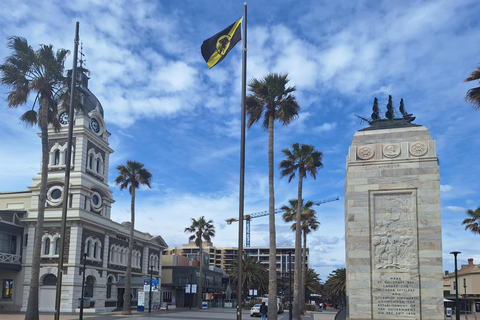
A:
x: 392, y: 221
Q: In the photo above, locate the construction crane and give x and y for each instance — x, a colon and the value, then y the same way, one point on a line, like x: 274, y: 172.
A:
x: 250, y: 216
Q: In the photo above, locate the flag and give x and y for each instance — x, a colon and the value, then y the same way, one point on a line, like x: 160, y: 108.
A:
x: 216, y: 48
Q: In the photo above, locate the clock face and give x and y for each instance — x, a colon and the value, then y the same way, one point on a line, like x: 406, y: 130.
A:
x: 63, y: 118
x: 95, y: 125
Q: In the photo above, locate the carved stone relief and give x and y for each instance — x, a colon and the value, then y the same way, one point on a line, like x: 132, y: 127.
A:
x: 418, y: 149
x: 394, y: 237
x: 391, y: 150
x: 365, y: 152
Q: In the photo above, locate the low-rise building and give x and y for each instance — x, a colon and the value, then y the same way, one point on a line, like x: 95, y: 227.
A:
x: 468, y: 287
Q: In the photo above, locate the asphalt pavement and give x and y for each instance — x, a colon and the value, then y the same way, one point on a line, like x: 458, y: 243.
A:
x: 172, y: 314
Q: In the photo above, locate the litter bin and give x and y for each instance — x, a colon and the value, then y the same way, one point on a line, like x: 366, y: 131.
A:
x: 86, y: 303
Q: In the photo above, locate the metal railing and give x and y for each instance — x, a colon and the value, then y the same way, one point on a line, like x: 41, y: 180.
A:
x: 10, y: 258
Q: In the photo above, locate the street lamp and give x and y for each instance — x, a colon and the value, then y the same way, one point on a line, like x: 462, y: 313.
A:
x: 85, y: 255
x: 150, y: 294
x: 191, y: 284
x: 465, y: 287
x: 457, y: 314
x: 290, y: 279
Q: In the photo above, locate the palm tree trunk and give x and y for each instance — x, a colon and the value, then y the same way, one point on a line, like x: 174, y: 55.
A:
x: 272, y: 264
x: 200, y: 277
x: 32, y: 305
x: 304, y: 254
x: 127, y: 309
x: 298, y: 254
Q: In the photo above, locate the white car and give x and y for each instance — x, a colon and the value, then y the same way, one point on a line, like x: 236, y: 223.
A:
x: 255, y: 310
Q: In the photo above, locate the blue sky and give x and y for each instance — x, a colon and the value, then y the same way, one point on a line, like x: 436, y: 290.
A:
x: 166, y: 109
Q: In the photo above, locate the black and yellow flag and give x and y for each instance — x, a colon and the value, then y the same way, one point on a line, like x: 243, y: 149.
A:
x: 216, y: 48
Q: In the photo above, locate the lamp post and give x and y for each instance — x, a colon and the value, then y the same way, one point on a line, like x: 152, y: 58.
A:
x: 85, y: 255
x: 465, y: 287
x: 150, y: 294
x: 191, y: 284
x: 457, y: 314
x: 290, y: 289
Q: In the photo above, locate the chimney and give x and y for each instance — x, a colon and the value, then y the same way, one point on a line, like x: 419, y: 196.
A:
x: 470, y: 262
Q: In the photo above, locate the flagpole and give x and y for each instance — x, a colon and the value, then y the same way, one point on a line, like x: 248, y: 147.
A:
x: 67, y: 177
x: 242, y: 164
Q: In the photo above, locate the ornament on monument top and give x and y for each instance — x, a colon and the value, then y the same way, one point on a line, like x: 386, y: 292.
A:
x: 390, y: 121
x: 365, y: 152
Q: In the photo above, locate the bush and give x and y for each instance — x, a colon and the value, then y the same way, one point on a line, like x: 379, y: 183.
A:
x: 310, y: 307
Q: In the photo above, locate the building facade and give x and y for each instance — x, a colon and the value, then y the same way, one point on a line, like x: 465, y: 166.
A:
x: 223, y: 257
x: 180, y: 274
x: 90, y: 231
x: 468, y: 287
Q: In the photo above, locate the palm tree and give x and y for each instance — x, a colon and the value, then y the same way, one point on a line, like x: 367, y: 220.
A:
x: 304, y: 159
x: 43, y: 73
x: 308, y: 223
x: 202, y: 230
x: 131, y: 176
x: 473, y: 95
x: 472, y: 223
x: 335, y: 285
x: 312, y: 281
x: 254, y: 274
x: 272, y: 98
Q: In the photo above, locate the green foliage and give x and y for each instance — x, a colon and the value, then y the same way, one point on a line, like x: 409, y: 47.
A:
x: 133, y: 175
x: 473, y: 223
x: 272, y: 97
x: 302, y: 158
x: 336, y: 282
x: 473, y: 94
x: 202, y: 230
x: 254, y: 274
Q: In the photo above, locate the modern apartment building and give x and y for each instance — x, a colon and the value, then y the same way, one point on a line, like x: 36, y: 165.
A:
x: 223, y: 257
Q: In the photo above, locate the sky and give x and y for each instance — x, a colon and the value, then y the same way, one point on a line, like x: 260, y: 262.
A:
x: 166, y: 109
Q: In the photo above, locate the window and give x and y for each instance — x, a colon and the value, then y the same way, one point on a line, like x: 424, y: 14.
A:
x: 109, y: 287
x: 87, y: 248
x: 89, y: 287
x: 95, y: 248
x: 57, y: 246
x: 167, y: 297
x: 7, y: 289
x: 8, y: 243
x: 46, y: 249
x: 90, y: 161
x: 57, y: 157
x: 50, y: 280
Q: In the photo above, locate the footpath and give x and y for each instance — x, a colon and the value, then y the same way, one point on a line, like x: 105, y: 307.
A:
x: 176, y: 314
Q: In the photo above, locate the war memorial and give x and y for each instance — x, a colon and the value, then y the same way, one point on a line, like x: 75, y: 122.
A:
x: 392, y: 220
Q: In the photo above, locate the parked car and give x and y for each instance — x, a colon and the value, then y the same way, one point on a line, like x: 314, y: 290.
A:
x: 255, y: 311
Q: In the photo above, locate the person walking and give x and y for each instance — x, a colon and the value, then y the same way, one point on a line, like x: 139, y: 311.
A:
x: 263, y: 310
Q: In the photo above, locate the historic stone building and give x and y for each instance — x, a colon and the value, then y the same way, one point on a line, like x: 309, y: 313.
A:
x: 89, y: 228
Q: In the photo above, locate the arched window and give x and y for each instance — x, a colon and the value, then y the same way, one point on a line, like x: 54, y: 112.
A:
x: 56, y: 160
x: 112, y: 254
x: 98, y: 166
x: 57, y: 246
x: 109, y: 287
x: 46, y: 249
x: 50, y: 280
x: 90, y: 161
x: 87, y: 247
x: 89, y: 287
x: 95, y: 248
